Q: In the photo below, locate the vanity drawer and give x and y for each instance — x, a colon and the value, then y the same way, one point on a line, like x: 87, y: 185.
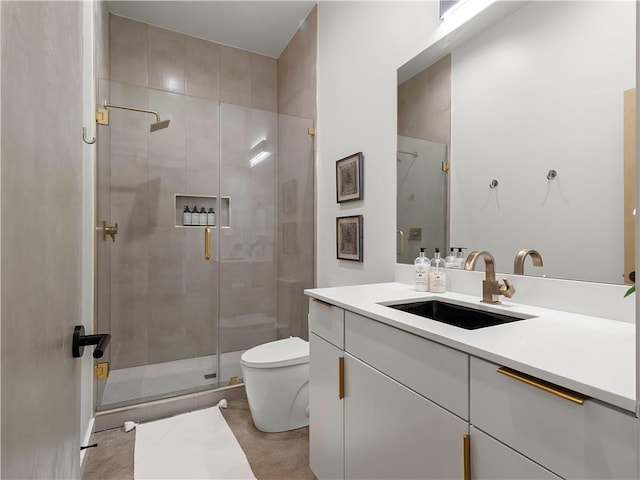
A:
x: 327, y: 321
x: 437, y: 372
x: 591, y: 440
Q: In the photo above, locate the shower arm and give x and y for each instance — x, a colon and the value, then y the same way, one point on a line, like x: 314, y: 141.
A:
x: 133, y: 109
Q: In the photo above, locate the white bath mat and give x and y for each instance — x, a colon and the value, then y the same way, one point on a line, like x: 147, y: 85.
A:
x: 195, y: 445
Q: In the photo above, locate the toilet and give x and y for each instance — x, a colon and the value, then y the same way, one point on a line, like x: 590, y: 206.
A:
x: 276, y: 379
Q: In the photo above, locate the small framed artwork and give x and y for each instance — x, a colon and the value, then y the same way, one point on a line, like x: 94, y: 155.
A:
x: 349, y: 178
x: 349, y: 238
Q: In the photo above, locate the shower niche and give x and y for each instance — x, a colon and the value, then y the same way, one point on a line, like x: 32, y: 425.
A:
x: 206, y: 202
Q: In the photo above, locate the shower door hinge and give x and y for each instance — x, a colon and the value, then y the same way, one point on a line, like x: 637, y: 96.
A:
x: 445, y: 166
x: 102, y: 370
x: 311, y: 131
x: 102, y: 116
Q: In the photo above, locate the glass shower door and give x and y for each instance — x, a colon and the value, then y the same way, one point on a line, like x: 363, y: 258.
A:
x: 162, y: 292
x: 248, y: 269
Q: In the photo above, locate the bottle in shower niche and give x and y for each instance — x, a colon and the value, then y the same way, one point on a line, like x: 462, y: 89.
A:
x: 186, y: 216
x: 421, y: 264
x: 203, y: 217
x: 437, y: 274
x: 211, y: 217
x: 195, y: 216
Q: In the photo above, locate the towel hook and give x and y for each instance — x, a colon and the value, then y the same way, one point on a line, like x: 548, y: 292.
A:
x: 84, y: 137
x: 493, y: 184
x: 552, y: 174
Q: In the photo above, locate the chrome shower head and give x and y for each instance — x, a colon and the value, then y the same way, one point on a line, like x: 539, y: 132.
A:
x: 158, y: 125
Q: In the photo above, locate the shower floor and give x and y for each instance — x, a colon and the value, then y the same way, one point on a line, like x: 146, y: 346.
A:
x: 151, y: 382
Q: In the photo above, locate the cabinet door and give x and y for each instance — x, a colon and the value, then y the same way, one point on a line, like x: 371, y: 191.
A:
x: 392, y: 432
x: 492, y: 460
x: 326, y: 441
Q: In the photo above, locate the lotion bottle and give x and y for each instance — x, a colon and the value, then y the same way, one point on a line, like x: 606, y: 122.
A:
x: 195, y: 216
x: 437, y: 274
x: 186, y: 216
x: 421, y: 264
x: 203, y: 217
x: 211, y: 217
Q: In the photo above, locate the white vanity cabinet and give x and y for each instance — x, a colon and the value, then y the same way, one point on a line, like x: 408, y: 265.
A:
x: 326, y: 408
x: 384, y: 403
x: 575, y: 441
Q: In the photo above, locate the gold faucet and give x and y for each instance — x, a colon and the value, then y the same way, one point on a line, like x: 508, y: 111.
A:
x: 518, y: 262
x: 491, y: 289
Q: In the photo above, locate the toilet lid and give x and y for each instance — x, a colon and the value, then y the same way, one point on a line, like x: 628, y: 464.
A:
x: 281, y: 353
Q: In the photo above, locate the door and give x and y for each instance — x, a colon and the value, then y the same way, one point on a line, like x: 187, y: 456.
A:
x: 41, y: 185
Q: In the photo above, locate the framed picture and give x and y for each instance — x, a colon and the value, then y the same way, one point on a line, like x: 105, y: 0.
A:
x: 349, y: 178
x: 349, y: 238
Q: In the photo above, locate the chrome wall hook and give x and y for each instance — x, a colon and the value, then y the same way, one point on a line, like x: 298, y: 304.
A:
x: 493, y: 184
x: 84, y: 137
x: 552, y: 174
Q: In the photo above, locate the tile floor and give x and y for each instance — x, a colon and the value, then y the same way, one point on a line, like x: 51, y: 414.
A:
x: 271, y: 455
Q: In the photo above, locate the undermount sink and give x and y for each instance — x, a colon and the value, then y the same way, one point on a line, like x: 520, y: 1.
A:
x: 458, y: 315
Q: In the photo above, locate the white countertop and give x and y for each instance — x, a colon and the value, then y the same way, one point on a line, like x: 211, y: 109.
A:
x: 591, y: 355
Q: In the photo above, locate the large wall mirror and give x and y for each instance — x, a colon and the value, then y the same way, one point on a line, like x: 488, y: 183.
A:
x: 541, y: 90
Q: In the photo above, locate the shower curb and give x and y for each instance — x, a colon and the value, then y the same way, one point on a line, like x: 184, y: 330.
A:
x: 145, y: 412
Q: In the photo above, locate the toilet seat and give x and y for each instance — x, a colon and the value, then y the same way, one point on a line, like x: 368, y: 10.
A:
x: 280, y: 353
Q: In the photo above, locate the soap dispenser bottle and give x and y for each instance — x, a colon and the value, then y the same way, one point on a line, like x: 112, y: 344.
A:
x: 211, y: 216
x: 203, y: 217
x: 422, y: 264
x: 437, y: 274
x: 450, y: 259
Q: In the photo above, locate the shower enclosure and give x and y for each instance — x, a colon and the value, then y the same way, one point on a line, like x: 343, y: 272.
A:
x: 180, y: 321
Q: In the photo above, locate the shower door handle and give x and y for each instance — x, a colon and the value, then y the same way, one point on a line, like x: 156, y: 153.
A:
x: 207, y: 243
x: 111, y: 230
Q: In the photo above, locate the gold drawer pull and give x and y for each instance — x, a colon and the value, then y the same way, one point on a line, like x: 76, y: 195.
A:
x: 341, y: 378
x: 320, y: 302
x: 466, y: 449
x: 542, y: 385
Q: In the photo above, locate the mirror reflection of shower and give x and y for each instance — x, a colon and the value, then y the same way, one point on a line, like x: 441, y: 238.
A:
x: 421, y: 198
x: 103, y: 117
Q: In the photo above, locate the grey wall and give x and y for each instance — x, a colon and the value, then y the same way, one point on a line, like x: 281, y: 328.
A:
x: 41, y: 237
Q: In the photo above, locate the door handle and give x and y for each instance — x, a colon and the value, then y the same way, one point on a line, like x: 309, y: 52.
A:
x: 400, y: 251
x: 207, y: 243
x: 111, y: 230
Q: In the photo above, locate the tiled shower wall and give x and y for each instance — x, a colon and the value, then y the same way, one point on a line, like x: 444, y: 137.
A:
x: 297, y: 109
x: 163, y: 295
x: 424, y: 104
